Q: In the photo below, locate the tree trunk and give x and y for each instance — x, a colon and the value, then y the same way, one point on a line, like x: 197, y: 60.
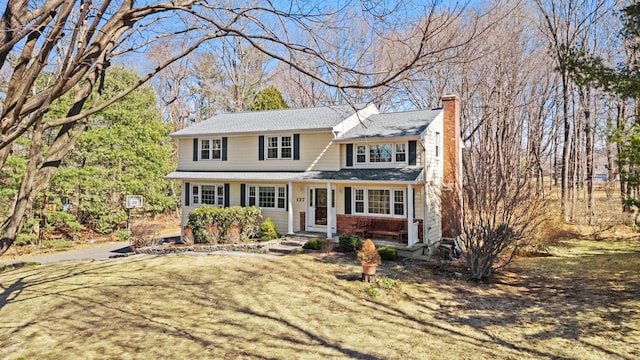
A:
x: 566, y: 150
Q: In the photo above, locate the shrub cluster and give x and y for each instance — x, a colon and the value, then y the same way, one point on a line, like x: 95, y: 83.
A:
x: 387, y: 253
x: 349, y: 243
x: 209, y: 224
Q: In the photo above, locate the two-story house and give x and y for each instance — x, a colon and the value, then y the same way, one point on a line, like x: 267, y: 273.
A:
x: 330, y: 170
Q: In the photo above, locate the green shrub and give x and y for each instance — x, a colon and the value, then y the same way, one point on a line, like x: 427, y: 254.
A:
x: 387, y: 253
x: 268, y: 229
x: 314, y: 244
x: 349, y: 243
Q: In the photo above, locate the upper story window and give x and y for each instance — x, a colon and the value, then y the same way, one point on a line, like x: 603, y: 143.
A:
x: 401, y: 152
x: 279, y: 147
x: 438, y: 140
x: 207, y: 195
x: 210, y: 149
x: 381, y: 153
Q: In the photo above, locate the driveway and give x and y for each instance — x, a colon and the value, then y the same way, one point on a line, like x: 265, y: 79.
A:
x: 99, y: 252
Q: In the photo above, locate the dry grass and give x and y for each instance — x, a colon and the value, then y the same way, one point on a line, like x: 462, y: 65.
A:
x: 583, y: 304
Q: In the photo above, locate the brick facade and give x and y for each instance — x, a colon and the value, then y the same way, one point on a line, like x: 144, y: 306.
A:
x: 348, y: 224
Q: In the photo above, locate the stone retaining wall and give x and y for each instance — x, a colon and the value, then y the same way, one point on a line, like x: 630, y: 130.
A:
x: 256, y: 248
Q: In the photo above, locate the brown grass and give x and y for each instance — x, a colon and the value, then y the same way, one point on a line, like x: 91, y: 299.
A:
x: 583, y: 304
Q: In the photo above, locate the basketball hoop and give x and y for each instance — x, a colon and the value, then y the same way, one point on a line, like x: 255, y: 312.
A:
x: 134, y: 202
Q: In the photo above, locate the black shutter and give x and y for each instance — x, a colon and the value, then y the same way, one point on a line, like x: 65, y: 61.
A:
x: 226, y: 195
x: 261, y: 147
x: 296, y: 146
x: 412, y: 152
x: 286, y: 197
x: 187, y: 193
x: 195, y: 149
x: 349, y: 154
x: 224, y: 148
x: 243, y: 195
x: 347, y: 200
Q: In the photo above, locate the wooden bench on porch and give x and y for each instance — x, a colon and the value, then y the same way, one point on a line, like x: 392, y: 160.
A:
x: 380, y: 228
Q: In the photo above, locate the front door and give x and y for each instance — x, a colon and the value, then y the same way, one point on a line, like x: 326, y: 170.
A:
x: 317, y: 209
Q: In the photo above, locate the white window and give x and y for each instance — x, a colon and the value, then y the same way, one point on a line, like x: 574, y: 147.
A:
x: 379, y: 202
x: 270, y: 197
x: 210, y: 149
x: 359, y: 201
x: 438, y: 144
x: 398, y: 202
x: 381, y: 153
x: 401, y: 153
x: 279, y: 147
x: 361, y: 154
x: 208, y: 194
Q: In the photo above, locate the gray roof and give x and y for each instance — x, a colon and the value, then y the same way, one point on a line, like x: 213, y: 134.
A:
x: 396, y: 175
x: 306, y: 119
x: 398, y: 124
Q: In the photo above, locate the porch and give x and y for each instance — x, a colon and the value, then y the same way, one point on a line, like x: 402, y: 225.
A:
x: 404, y: 249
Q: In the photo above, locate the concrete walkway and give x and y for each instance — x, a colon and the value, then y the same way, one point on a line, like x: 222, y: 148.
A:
x: 99, y: 252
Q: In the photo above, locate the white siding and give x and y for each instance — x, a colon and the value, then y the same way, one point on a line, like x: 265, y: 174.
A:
x: 433, y: 181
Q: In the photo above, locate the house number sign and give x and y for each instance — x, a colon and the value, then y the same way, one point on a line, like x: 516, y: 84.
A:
x: 300, y: 199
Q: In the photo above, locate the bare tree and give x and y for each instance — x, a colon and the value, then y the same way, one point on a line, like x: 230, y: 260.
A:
x: 75, y: 41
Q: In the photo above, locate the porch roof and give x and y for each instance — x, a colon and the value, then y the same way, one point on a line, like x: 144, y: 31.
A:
x: 406, y: 175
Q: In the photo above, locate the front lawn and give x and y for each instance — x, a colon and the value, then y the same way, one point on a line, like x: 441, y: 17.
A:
x: 584, y: 304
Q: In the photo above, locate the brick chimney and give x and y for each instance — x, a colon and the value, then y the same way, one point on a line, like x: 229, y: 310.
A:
x: 452, y: 156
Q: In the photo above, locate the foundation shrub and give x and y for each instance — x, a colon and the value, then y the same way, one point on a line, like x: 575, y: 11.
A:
x: 268, y: 228
x: 314, y: 244
x: 349, y: 243
x: 387, y: 253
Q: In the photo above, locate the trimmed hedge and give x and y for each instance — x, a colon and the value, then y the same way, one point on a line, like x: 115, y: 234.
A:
x: 209, y: 224
x: 349, y: 243
x: 387, y: 253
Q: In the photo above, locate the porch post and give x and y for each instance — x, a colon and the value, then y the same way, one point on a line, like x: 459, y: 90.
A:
x: 410, y: 233
x: 329, y: 214
x: 290, y: 208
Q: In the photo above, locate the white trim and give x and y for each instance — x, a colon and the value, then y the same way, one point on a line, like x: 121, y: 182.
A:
x: 196, y: 199
x: 278, y: 147
x: 256, y: 196
x: 331, y: 209
x: 210, y: 150
x: 290, y: 208
x: 367, y: 154
x: 391, y: 190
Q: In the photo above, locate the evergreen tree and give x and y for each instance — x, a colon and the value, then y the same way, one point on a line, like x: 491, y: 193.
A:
x: 125, y: 150
x: 269, y: 98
